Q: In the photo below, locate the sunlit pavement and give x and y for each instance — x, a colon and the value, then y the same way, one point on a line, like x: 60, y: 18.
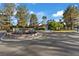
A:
x: 53, y: 44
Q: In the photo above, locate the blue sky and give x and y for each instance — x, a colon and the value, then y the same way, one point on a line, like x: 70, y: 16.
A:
x: 51, y: 10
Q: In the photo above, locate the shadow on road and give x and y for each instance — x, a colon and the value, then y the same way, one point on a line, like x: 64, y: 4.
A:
x: 59, y: 46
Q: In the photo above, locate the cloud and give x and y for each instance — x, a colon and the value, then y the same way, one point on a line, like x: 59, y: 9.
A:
x: 37, y: 13
x: 58, y: 14
x: 32, y: 12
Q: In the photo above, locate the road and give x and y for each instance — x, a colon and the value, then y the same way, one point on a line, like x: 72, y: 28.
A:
x: 53, y: 44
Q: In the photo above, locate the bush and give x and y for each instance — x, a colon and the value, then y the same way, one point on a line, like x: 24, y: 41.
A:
x: 42, y: 28
x: 52, y: 25
x: 55, y: 25
x: 36, y: 28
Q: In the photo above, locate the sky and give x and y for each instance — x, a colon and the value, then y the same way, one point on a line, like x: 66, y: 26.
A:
x: 51, y: 10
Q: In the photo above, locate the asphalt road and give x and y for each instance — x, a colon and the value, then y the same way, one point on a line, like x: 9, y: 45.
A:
x: 53, y: 44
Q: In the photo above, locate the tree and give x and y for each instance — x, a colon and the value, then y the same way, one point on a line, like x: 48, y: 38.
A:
x: 1, y: 20
x: 7, y: 12
x: 44, y: 20
x: 53, y: 25
x: 33, y: 20
x: 60, y: 20
x: 70, y: 14
x: 9, y: 9
x: 22, y: 13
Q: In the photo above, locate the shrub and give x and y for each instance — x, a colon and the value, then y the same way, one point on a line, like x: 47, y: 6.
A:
x: 55, y: 25
x: 42, y: 28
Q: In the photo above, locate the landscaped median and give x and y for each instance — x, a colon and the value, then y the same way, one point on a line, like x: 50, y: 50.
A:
x: 65, y: 31
x: 20, y: 37
x: 57, y: 31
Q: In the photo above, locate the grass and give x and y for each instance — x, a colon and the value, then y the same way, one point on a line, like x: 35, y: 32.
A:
x: 65, y: 31
x: 61, y: 30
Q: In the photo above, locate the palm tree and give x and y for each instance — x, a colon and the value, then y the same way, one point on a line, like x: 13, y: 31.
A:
x: 33, y: 20
x: 44, y: 20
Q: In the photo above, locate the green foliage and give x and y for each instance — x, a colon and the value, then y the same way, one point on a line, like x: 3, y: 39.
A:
x: 44, y: 20
x: 70, y: 14
x: 22, y: 13
x: 7, y: 12
x: 54, y: 25
x: 9, y: 9
x: 44, y: 17
x: 61, y: 26
x: 33, y: 20
x: 41, y: 28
